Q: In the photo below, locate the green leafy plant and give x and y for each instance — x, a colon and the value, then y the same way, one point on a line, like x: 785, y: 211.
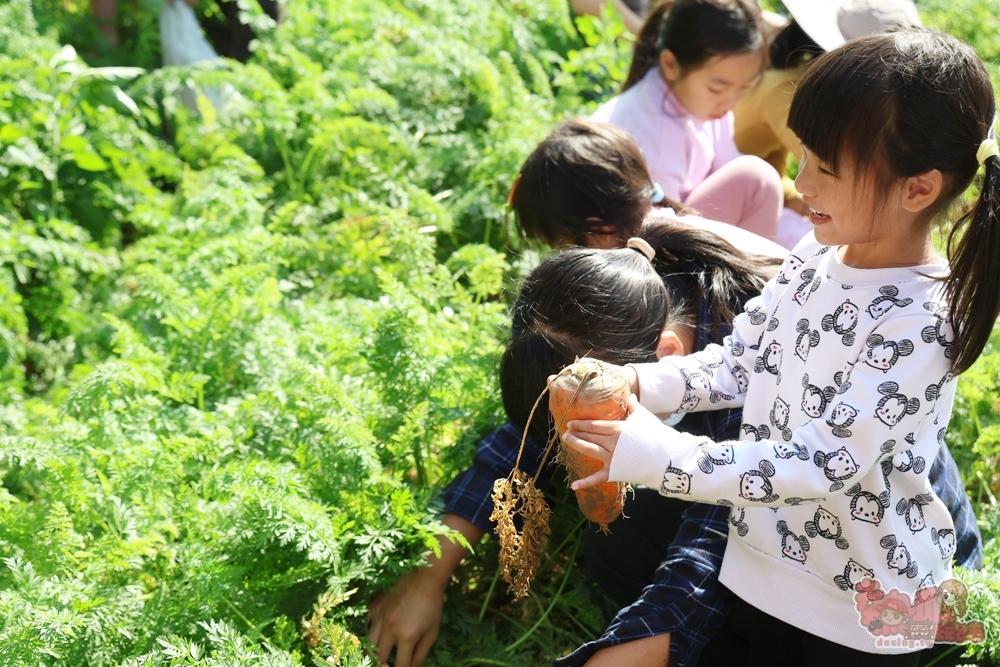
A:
x: 243, y: 348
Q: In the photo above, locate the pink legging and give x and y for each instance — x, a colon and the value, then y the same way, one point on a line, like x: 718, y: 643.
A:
x: 745, y: 192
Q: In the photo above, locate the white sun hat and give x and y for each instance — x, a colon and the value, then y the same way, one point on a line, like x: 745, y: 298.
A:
x: 832, y: 22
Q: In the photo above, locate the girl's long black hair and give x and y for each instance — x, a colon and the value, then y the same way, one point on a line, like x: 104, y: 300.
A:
x: 697, y: 265
x: 614, y: 304
x: 606, y: 304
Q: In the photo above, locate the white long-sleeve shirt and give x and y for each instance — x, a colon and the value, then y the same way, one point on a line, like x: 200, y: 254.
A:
x: 844, y: 379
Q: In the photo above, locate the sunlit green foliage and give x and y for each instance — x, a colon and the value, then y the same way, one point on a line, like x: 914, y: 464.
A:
x: 242, y: 349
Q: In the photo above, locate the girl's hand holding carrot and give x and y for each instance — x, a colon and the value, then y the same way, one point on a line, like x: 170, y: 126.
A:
x: 597, y: 439
x: 587, y: 391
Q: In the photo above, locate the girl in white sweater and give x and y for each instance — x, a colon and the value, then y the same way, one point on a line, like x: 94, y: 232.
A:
x: 845, y: 365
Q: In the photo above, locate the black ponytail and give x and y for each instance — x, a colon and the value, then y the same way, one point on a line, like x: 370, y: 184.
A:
x: 695, y: 264
x: 646, y: 53
x: 696, y: 30
x: 613, y: 305
x: 973, y: 288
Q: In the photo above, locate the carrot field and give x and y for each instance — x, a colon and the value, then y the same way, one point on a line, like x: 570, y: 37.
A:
x: 242, y: 349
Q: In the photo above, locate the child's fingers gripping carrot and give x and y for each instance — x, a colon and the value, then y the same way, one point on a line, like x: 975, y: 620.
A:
x: 592, y: 452
x: 590, y: 390
x: 596, y: 439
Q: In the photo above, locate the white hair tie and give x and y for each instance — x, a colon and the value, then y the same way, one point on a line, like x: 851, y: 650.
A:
x: 987, y: 149
x: 642, y: 245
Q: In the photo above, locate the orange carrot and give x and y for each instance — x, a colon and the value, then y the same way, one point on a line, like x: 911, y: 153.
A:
x: 590, y: 389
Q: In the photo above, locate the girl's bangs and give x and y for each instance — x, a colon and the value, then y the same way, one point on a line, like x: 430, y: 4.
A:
x: 841, y: 109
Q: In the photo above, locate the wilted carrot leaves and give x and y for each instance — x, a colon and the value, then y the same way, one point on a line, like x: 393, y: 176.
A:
x: 517, y: 497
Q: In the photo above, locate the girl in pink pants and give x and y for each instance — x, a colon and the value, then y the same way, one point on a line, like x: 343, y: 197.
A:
x: 691, y: 66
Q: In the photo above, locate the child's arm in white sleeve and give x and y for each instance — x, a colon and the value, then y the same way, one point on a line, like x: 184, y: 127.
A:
x: 866, y: 422
x: 714, y: 378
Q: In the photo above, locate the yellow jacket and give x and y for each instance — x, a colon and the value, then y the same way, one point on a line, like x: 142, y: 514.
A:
x: 761, y: 126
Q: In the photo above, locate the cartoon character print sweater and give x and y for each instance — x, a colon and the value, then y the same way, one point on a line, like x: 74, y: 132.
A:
x: 843, y: 375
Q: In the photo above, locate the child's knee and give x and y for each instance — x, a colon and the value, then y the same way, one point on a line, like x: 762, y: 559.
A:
x: 760, y: 174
